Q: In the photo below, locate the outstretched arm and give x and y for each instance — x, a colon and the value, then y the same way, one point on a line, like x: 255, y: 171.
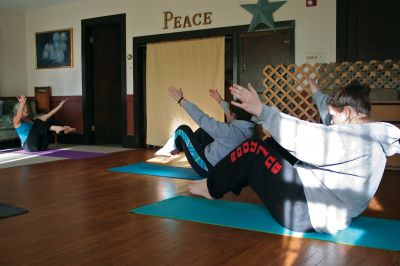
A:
x: 217, y: 97
x: 18, y: 116
x: 176, y: 94
x: 45, y: 117
x: 214, y: 128
x: 320, y: 99
x: 215, y: 94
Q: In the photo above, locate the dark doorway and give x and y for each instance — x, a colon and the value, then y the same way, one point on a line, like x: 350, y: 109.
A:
x: 104, y: 79
x: 259, y: 49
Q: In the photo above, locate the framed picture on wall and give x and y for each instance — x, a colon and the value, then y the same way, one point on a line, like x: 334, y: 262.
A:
x: 54, y: 49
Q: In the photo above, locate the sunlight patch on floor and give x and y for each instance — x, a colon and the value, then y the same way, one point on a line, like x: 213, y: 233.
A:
x: 17, y: 157
x: 178, y: 160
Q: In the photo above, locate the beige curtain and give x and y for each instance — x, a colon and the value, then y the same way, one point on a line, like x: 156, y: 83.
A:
x: 193, y: 65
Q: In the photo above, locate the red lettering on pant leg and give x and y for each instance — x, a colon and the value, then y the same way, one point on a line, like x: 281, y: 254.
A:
x: 276, y: 168
x: 245, y: 147
x: 269, y: 161
x: 263, y: 150
x: 233, y: 156
x: 253, y: 146
x: 239, y: 152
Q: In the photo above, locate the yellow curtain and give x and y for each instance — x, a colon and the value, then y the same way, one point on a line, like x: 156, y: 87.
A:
x: 193, y: 65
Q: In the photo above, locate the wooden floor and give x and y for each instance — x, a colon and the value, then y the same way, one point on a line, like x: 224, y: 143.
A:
x: 78, y: 216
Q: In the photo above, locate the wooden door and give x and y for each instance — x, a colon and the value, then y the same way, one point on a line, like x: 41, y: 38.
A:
x: 258, y: 49
x: 107, y: 84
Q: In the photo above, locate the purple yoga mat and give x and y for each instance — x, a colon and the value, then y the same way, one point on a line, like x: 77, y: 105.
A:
x: 68, y: 154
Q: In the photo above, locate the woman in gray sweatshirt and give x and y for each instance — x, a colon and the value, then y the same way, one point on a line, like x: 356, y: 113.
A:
x: 214, y: 139
x: 336, y: 169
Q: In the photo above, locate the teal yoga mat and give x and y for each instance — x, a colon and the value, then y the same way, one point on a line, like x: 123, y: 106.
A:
x: 158, y: 170
x: 363, y: 231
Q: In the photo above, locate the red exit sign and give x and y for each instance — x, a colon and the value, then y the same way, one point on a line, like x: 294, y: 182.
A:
x: 311, y: 3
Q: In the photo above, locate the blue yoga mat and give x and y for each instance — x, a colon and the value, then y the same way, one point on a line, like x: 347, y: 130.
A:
x: 158, y: 170
x: 363, y: 231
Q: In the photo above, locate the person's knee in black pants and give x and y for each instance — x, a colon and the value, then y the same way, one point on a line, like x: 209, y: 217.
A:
x: 187, y: 141
x: 257, y: 164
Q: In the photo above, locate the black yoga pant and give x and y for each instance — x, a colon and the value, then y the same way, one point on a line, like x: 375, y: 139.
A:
x: 265, y: 167
x: 38, y: 138
x: 193, y: 144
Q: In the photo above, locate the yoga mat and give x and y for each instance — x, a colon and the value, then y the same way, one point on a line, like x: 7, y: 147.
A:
x: 7, y: 210
x: 363, y: 231
x: 68, y: 154
x: 158, y: 170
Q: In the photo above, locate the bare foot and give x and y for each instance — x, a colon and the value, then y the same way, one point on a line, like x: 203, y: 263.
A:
x: 68, y: 129
x: 199, y: 188
x: 57, y: 129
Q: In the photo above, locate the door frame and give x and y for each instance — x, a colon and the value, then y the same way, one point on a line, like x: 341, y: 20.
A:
x: 87, y: 73
x: 139, y: 44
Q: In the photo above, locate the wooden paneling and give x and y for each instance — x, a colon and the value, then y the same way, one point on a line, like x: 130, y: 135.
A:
x: 71, y: 112
x: 388, y: 112
x: 129, y: 114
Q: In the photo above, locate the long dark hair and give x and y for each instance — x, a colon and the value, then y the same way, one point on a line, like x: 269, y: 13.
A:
x: 241, y: 114
x: 355, y: 95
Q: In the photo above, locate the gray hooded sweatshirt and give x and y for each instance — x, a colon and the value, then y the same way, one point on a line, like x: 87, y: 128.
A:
x: 227, y: 136
x: 341, y: 165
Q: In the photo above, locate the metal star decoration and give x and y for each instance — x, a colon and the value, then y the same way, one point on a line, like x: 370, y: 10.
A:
x: 262, y: 13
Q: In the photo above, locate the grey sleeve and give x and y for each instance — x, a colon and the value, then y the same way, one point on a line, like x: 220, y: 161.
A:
x: 320, y: 99
x: 214, y: 128
x: 225, y: 106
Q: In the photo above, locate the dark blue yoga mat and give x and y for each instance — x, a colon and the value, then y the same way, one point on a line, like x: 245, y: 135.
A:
x: 363, y: 231
x: 158, y: 170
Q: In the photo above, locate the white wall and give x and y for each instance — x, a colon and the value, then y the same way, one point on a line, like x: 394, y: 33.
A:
x: 315, y: 30
x: 13, y: 75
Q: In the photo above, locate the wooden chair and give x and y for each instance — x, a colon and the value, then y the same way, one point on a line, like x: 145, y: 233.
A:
x: 43, y: 103
x: 43, y: 99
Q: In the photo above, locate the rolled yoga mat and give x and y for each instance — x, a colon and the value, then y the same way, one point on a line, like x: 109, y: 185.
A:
x: 158, y: 170
x: 363, y: 231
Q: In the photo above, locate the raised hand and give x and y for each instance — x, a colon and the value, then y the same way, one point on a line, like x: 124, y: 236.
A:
x: 313, y: 85
x: 175, y: 93
x: 249, y: 98
x: 21, y: 99
x: 62, y: 102
x: 215, y: 94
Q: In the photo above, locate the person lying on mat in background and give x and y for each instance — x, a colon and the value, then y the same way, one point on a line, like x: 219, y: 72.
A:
x: 311, y: 177
x: 214, y: 139
x: 34, y: 135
